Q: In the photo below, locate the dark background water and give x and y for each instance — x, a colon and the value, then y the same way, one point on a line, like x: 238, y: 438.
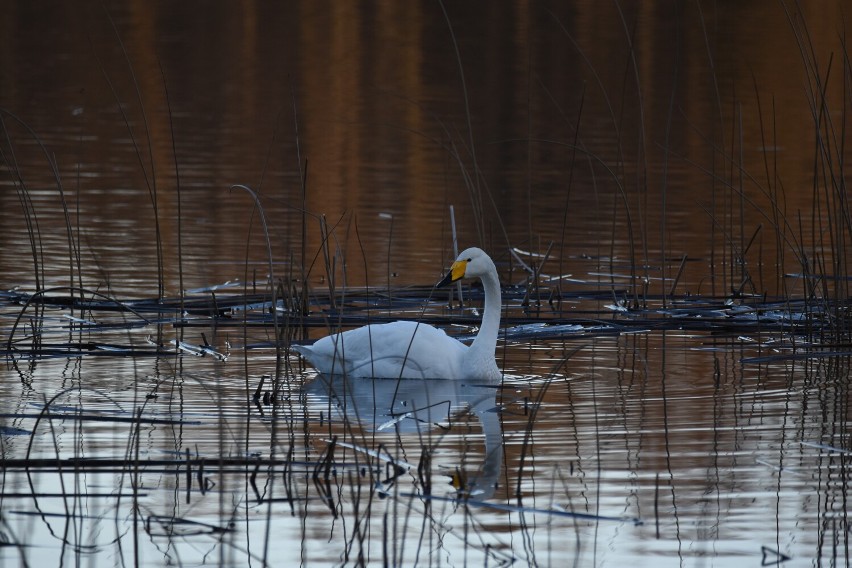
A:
x: 639, y: 131
x: 626, y: 136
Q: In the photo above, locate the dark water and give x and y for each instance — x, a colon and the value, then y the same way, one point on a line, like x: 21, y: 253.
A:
x: 657, y: 154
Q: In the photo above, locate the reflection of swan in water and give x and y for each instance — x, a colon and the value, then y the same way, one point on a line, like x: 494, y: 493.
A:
x: 415, y: 406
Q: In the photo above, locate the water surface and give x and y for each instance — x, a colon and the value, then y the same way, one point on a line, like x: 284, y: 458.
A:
x: 657, y: 165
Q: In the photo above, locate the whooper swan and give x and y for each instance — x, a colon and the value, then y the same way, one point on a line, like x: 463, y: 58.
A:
x: 412, y: 350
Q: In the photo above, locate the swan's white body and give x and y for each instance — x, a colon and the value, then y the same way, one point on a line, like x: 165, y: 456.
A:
x: 401, y: 348
x: 411, y: 350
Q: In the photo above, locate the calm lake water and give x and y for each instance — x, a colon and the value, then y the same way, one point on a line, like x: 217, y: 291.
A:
x: 676, y: 386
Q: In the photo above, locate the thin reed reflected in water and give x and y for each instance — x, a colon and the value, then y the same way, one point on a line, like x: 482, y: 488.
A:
x: 190, y: 196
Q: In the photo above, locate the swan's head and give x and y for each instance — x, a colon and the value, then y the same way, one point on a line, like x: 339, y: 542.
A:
x: 471, y: 263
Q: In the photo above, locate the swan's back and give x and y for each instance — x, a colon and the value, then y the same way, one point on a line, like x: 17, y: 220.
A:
x: 402, y: 349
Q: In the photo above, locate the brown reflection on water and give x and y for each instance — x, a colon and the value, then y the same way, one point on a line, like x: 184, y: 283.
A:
x: 384, y: 127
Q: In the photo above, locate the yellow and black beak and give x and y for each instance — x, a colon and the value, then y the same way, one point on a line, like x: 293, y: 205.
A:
x: 456, y: 273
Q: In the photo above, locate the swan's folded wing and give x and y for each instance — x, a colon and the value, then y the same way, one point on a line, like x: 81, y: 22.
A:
x: 400, y: 349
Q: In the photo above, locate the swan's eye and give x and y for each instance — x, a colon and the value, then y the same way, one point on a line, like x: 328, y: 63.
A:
x: 469, y: 260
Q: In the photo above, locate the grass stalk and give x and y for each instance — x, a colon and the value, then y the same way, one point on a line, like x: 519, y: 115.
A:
x: 150, y: 180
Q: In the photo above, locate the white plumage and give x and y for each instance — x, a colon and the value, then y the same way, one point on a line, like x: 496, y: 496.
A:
x: 412, y: 350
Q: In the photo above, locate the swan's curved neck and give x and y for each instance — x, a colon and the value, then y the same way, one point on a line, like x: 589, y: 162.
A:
x: 486, y: 340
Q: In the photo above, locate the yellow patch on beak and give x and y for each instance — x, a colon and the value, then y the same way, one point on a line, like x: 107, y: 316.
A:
x: 456, y: 273
x: 458, y: 269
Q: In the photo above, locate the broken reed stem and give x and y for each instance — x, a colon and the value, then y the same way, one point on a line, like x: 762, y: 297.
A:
x: 677, y: 277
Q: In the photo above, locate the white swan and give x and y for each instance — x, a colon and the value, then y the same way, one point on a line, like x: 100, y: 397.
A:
x: 412, y: 350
